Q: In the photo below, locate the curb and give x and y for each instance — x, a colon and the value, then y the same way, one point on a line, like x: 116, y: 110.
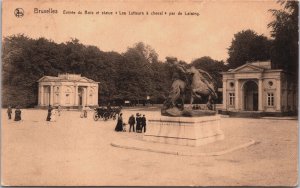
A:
x: 251, y: 142
x: 280, y: 118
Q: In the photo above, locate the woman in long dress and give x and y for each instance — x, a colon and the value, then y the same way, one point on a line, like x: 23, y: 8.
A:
x: 119, y: 126
x: 17, y: 114
x: 49, y: 113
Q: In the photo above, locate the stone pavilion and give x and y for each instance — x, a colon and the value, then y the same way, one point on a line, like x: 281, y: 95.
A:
x: 67, y: 90
x: 256, y: 87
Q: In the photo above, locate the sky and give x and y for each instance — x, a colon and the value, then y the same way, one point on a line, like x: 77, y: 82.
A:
x: 186, y: 37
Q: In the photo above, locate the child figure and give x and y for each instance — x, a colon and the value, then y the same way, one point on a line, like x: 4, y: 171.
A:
x: 58, y: 110
x: 124, y: 127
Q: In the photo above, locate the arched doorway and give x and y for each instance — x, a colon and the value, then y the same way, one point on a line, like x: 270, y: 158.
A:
x: 250, y: 96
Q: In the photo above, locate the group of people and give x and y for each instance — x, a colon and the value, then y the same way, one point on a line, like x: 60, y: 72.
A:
x: 17, y: 113
x: 136, y: 124
x: 54, y: 111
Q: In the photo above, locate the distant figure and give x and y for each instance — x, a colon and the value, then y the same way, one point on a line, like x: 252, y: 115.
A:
x: 131, y: 123
x: 17, y: 114
x: 119, y: 126
x: 49, y: 113
x: 143, y: 122
x: 109, y: 108
x: 124, y: 127
x: 58, y: 110
x: 9, y: 112
x: 84, y: 112
x: 53, y: 115
x: 138, y: 123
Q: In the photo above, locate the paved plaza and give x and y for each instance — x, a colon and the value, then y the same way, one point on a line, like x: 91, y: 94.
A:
x: 77, y: 151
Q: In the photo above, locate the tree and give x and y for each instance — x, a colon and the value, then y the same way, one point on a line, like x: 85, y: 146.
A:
x: 284, y: 52
x: 248, y: 46
x: 133, y: 75
x: 25, y: 61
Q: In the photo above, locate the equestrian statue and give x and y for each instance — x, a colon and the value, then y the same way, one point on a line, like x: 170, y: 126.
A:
x: 195, y: 82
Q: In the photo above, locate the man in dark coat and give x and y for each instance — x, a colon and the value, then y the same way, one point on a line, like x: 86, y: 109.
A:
x: 143, y: 122
x: 131, y: 122
x: 9, y: 112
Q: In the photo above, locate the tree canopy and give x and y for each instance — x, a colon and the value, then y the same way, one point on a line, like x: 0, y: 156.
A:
x: 133, y: 75
x: 248, y: 46
x: 284, y: 53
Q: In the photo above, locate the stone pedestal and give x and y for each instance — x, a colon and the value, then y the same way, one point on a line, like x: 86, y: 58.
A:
x: 187, y: 131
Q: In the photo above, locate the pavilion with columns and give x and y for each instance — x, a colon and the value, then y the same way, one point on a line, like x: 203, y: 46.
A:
x: 67, y: 90
x: 256, y: 87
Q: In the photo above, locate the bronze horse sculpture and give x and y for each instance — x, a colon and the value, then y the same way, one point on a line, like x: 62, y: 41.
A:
x: 176, y: 94
x: 201, y: 85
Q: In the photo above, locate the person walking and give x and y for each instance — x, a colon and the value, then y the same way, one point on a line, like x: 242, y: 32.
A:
x: 49, y: 113
x: 9, y: 112
x: 131, y: 123
x: 119, y: 126
x: 143, y: 122
x: 17, y: 114
x: 58, y: 110
x: 84, y: 112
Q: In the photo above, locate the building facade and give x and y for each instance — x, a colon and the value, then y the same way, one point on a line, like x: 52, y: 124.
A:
x: 257, y: 87
x: 68, y: 90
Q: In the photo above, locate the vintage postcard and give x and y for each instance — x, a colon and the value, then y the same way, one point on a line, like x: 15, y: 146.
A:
x: 149, y: 93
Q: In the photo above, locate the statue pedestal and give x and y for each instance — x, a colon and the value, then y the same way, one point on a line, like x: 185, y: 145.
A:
x: 187, y: 131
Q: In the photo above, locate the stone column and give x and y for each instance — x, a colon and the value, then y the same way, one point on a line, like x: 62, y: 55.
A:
x: 51, y: 94
x: 225, y: 94
x: 84, y: 97
x: 42, y: 95
x: 60, y: 95
x: 96, y: 95
x: 237, y: 94
x: 39, y: 95
x: 88, y: 95
x: 260, y: 95
x: 76, y: 95
x: 278, y: 95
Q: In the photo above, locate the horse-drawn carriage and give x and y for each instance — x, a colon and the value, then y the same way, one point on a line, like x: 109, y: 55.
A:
x: 106, y: 113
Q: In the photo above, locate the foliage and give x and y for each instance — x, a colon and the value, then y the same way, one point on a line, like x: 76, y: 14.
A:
x: 133, y: 75
x: 284, y: 53
x: 248, y: 46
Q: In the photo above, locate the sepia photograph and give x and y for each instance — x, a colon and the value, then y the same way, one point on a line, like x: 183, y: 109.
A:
x: 149, y: 93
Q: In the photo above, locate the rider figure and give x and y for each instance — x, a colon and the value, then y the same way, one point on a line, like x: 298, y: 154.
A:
x: 179, y: 72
